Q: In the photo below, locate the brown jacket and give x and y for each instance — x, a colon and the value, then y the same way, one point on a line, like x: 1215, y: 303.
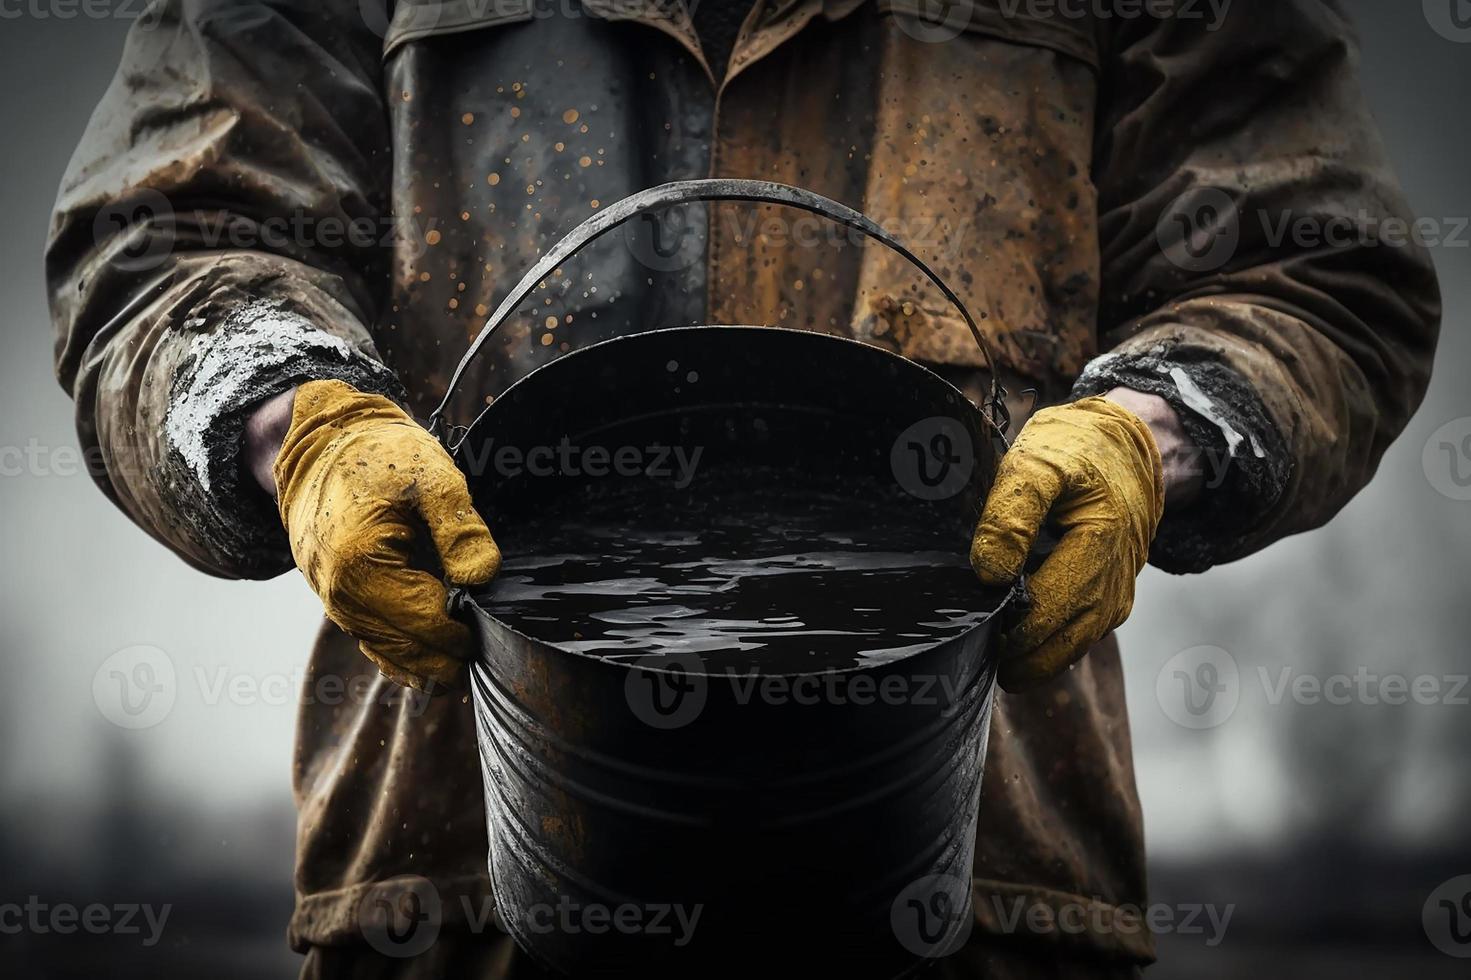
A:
x: 270, y: 194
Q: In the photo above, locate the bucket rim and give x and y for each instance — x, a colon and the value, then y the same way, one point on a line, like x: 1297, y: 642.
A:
x: 463, y: 431
x: 463, y: 601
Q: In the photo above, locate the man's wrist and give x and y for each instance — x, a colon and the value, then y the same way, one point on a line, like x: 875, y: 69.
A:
x: 1183, y: 476
x: 265, y: 431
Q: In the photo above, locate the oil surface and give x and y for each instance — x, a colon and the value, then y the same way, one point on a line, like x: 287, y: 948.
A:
x: 777, y: 580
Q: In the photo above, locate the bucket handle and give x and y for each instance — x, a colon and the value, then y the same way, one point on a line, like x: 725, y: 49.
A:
x: 684, y: 191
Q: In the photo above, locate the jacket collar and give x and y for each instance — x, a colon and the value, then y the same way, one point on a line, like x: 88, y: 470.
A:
x: 770, y: 24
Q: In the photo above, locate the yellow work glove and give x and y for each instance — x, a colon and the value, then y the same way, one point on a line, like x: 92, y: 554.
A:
x: 361, y: 487
x: 1093, y: 466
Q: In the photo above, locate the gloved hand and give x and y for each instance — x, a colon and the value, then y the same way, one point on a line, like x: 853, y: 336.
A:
x: 359, y: 483
x: 1094, y: 467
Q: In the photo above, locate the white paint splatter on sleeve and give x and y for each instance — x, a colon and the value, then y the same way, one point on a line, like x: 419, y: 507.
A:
x: 259, y: 340
x: 229, y: 365
x: 1199, y: 403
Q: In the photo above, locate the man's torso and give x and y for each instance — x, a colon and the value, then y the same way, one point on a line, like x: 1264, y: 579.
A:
x: 508, y: 130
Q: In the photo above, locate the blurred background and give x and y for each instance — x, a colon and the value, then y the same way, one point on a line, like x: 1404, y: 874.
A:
x: 1294, y: 792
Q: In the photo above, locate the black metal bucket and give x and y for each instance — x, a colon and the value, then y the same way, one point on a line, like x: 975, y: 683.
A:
x: 624, y: 801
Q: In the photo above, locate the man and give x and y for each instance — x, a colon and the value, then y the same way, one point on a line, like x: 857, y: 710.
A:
x: 1121, y: 196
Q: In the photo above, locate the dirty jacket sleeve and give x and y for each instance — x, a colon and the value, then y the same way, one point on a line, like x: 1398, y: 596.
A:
x: 1259, y: 266
x: 218, y: 238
